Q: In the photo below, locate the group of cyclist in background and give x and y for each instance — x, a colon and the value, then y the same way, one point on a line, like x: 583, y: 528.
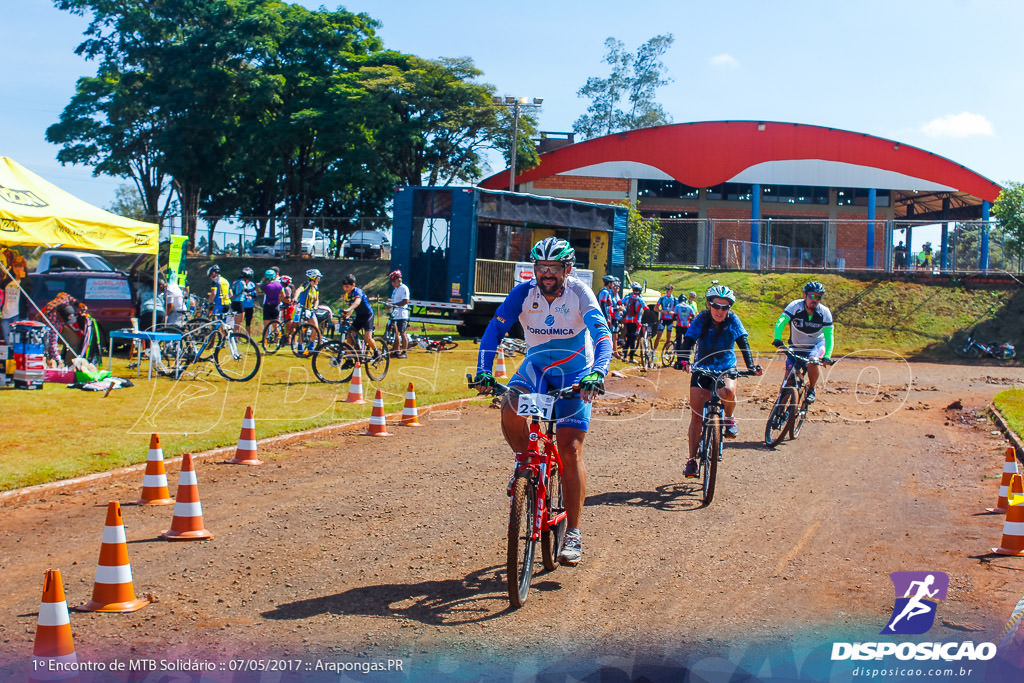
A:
x: 235, y: 303
x: 571, y: 335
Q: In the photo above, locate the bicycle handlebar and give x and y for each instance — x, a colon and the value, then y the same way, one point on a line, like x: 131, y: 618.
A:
x: 731, y: 372
x: 796, y: 357
x: 500, y: 389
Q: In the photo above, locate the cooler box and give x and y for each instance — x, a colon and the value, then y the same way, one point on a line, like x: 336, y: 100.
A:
x: 29, y: 365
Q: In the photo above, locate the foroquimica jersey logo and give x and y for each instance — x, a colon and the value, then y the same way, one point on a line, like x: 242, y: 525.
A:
x: 917, y: 598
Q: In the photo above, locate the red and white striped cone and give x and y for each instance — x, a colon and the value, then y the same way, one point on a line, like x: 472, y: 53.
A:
x: 378, y: 426
x: 113, y: 590
x: 410, y: 416
x: 245, y: 452
x: 499, y: 366
x: 1009, y: 469
x: 154, y: 481
x: 1013, y: 527
x: 54, y: 648
x: 355, y: 386
x: 187, y: 524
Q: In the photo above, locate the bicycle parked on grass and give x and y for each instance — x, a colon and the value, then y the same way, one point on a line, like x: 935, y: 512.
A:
x: 432, y: 344
x: 537, y: 507
x: 709, y: 450
x: 335, y: 360
x: 790, y: 410
x: 235, y: 356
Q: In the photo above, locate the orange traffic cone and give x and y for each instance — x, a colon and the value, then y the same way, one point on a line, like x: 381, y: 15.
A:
x: 355, y: 386
x: 1009, y: 469
x: 499, y: 366
x: 410, y: 416
x: 378, y: 426
x: 54, y: 649
x: 187, y: 524
x: 113, y: 590
x: 245, y: 452
x: 154, y: 481
x: 1013, y: 528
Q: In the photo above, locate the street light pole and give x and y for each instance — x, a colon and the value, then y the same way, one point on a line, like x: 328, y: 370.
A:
x: 516, y: 103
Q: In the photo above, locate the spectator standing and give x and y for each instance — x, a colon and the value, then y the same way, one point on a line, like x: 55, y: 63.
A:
x: 174, y: 301
x: 684, y: 315
x: 12, y: 305
x: 271, y: 289
x: 634, y: 308
x: 900, y: 257
x: 243, y: 299
x: 400, y: 313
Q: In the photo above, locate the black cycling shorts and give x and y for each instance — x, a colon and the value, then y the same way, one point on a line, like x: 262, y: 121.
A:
x: 270, y: 312
x: 362, y: 322
x: 236, y: 306
x: 702, y: 381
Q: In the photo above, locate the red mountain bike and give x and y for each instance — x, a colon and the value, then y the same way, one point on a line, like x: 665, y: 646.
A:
x: 537, y: 510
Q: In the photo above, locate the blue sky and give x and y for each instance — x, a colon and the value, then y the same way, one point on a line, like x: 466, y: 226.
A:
x: 942, y: 75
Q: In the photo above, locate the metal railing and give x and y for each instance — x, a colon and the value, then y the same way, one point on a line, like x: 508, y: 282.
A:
x: 494, y: 277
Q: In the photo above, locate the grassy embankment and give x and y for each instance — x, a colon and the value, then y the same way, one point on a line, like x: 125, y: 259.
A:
x: 58, y: 433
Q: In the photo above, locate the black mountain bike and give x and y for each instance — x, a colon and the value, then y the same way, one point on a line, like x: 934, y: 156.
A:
x: 335, y: 360
x: 709, y: 450
x: 790, y: 409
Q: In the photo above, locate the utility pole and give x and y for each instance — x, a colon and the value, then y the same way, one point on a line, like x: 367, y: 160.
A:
x: 517, y: 104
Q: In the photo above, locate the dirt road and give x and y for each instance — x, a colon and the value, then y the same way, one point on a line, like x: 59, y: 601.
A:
x: 359, y: 548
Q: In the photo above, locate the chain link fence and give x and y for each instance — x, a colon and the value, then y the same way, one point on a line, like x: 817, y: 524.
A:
x: 833, y: 244
x: 241, y: 236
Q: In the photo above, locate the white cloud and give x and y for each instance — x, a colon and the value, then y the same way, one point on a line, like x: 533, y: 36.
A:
x: 724, y: 61
x: 964, y: 125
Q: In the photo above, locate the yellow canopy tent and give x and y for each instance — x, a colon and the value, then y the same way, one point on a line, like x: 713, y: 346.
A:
x: 34, y: 211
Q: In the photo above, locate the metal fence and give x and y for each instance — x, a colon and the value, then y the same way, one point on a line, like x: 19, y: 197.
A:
x: 833, y: 244
x: 233, y: 235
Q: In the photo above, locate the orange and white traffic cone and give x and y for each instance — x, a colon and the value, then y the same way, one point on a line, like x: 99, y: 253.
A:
x: 1009, y: 469
x: 378, y: 426
x: 355, y: 386
x: 54, y: 651
x: 187, y: 524
x: 113, y: 590
x: 1013, y: 527
x: 245, y: 452
x: 154, y: 481
x: 410, y: 416
x: 499, y: 366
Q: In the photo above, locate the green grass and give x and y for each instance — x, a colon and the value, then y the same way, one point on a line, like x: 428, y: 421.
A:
x: 911, y: 319
x: 1011, y: 404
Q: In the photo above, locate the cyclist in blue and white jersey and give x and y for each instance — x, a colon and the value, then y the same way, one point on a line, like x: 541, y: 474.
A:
x: 569, y: 343
x: 356, y: 304
x: 666, y: 308
x: 685, y: 312
x: 607, y: 299
x: 810, y: 331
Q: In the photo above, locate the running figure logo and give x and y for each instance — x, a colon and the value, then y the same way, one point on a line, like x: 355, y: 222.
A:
x: 914, y: 612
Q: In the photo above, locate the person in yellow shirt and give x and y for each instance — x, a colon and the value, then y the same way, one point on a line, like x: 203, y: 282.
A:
x: 220, y: 294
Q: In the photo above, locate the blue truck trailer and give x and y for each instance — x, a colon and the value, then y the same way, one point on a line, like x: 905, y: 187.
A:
x: 462, y: 249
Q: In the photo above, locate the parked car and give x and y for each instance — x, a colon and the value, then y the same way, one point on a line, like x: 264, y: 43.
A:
x: 314, y: 243
x: 366, y: 244
x: 263, y: 246
x: 65, y: 259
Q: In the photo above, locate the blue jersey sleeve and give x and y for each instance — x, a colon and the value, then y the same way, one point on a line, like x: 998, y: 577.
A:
x: 503, y: 320
x: 602, y: 336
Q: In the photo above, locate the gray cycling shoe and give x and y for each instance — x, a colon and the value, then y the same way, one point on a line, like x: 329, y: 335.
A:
x: 572, y: 549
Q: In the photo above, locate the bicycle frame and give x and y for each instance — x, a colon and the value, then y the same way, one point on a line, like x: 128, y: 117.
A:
x: 537, y: 464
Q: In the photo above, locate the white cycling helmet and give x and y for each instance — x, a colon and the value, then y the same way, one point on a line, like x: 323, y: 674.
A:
x: 720, y: 292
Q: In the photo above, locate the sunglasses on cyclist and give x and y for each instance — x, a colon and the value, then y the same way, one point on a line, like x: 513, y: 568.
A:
x: 719, y: 307
x: 548, y: 270
x: 813, y: 296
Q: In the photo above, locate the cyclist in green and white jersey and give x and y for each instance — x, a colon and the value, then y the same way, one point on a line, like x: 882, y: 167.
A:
x: 810, y: 331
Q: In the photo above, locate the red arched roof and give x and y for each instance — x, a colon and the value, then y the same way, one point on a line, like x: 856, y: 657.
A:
x: 711, y: 152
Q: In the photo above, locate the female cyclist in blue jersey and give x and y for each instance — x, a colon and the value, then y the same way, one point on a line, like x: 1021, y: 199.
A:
x: 715, y: 331
x: 569, y: 343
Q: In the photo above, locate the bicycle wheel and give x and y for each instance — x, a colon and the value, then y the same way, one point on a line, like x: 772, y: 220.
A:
x: 799, y: 416
x: 305, y: 340
x: 334, y: 362
x: 668, y: 355
x: 551, y: 539
x: 377, y: 365
x: 273, y: 333
x: 238, y: 358
x: 448, y: 345
x: 778, y: 419
x: 521, y: 546
x: 709, y: 458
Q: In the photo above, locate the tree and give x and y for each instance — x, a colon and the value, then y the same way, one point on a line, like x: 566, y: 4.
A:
x: 128, y: 203
x: 633, y: 77
x: 1008, y: 209
x: 643, y: 237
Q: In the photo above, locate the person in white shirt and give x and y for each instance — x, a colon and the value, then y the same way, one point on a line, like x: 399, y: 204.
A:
x: 11, y: 308
x: 399, y: 305
x: 174, y: 302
